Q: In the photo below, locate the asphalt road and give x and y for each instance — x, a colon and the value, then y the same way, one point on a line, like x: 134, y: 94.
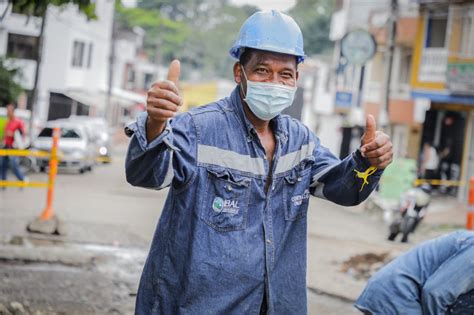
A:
x: 101, y: 208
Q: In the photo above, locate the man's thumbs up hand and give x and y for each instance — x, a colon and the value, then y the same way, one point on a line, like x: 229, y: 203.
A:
x: 376, y: 145
x: 163, y: 101
x: 370, y: 129
x: 174, y: 71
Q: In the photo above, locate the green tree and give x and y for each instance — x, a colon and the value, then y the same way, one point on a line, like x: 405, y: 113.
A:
x: 39, y: 7
x: 9, y: 89
x: 314, y: 18
x: 198, y: 32
x: 209, y: 46
x: 164, y: 36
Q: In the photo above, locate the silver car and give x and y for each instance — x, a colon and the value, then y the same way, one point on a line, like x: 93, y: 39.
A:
x: 76, y: 151
x: 98, y: 132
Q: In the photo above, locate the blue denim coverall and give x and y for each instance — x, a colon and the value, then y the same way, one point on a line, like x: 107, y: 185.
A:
x: 426, y: 280
x: 222, y: 242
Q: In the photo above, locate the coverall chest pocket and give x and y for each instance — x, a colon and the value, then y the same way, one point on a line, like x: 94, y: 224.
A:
x: 225, y: 204
x: 296, y: 191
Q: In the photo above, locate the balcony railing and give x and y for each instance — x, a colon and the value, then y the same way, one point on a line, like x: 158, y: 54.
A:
x: 434, y: 62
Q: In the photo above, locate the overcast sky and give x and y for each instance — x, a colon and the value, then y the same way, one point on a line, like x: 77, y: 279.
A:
x: 281, y: 5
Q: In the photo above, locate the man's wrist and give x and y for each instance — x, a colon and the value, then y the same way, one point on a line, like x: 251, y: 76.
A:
x: 153, y: 129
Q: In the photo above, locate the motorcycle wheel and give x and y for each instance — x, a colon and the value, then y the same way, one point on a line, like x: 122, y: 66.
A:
x: 392, y: 236
x: 408, y: 225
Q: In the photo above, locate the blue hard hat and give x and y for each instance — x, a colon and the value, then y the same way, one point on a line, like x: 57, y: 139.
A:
x: 271, y: 31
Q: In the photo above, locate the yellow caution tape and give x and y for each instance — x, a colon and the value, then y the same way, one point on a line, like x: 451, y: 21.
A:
x: 365, y: 175
x: 440, y: 182
x: 104, y: 159
x: 44, y: 154
x: 4, y: 183
x: 14, y: 152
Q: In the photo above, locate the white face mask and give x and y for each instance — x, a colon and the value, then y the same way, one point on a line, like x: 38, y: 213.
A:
x: 268, y: 100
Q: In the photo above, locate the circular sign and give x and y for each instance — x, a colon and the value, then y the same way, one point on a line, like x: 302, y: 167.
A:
x: 358, y: 47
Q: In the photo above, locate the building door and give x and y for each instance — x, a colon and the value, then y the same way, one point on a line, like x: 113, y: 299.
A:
x: 469, y: 158
x: 445, y: 130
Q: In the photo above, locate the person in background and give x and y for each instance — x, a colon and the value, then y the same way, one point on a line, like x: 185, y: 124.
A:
x: 429, y: 162
x: 14, y: 125
x: 448, y: 168
x: 436, y: 277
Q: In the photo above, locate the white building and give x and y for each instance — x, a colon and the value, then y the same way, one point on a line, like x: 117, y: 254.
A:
x: 74, y: 72
x: 373, y: 16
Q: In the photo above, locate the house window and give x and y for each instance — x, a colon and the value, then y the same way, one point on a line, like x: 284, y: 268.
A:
x: 131, y: 76
x: 20, y: 8
x: 405, y: 66
x: 89, y: 56
x: 467, y: 33
x: 436, y: 31
x: 377, y: 68
x: 148, y: 81
x: 22, y: 47
x: 78, y: 54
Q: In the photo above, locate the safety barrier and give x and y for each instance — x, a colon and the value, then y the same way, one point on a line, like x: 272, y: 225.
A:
x: 53, y: 169
x: 103, y: 159
x: 439, y: 182
x: 470, y: 211
x: 13, y: 152
x: 41, y: 154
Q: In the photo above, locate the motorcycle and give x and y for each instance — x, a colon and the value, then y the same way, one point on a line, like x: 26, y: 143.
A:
x: 412, y: 210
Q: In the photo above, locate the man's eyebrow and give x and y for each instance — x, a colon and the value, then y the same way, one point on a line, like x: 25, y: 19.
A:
x: 261, y: 63
x: 265, y: 63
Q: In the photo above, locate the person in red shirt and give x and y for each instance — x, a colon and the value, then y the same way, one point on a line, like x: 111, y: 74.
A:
x: 13, y: 125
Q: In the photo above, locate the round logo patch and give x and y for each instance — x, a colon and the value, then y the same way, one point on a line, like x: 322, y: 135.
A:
x: 218, y: 204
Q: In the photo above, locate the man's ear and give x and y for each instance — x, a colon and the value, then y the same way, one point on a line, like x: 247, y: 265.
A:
x: 297, y: 75
x: 237, y: 73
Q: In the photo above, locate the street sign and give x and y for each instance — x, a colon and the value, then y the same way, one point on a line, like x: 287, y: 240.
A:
x: 358, y: 46
x: 343, y: 100
x: 460, y: 78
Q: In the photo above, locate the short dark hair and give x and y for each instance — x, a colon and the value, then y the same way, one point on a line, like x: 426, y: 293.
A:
x: 247, y: 54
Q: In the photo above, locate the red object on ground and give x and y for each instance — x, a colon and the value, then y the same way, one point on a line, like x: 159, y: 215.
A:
x: 470, y: 212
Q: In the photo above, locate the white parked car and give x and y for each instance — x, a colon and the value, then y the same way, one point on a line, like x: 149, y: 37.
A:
x: 76, y: 151
x: 98, y: 132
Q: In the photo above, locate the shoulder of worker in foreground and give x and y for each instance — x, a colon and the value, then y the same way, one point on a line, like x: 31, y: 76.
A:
x: 399, y: 284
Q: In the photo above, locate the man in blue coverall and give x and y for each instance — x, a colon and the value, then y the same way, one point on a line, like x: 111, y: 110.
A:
x: 434, y: 278
x: 232, y: 235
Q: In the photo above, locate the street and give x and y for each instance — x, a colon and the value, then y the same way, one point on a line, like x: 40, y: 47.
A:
x: 381, y: 85
x: 96, y: 267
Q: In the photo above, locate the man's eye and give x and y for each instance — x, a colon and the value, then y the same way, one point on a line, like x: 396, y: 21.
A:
x: 287, y: 75
x: 262, y: 70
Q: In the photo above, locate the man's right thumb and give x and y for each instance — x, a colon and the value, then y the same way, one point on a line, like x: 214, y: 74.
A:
x: 174, y: 71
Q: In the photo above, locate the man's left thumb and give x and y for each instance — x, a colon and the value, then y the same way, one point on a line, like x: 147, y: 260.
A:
x: 370, y: 128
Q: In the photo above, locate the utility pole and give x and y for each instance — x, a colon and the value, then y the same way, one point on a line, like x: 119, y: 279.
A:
x: 390, y: 48
x: 39, y: 56
x: 109, y: 109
